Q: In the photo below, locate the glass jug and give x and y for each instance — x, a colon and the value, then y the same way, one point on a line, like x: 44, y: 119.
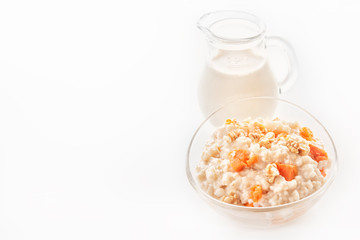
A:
x: 237, y: 65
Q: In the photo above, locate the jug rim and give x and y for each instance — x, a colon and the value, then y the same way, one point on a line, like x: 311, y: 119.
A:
x: 207, y: 20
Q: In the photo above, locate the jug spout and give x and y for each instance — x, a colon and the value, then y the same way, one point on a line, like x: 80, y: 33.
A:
x: 204, y: 26
x: 231, y: 28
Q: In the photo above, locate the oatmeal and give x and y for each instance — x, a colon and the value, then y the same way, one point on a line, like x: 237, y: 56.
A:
x: 260, y: 163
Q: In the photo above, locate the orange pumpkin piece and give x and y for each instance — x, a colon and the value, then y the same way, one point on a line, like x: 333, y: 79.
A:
x: 280, y: 133
x: 317, y: 154
x: 306, y: 133
x: 256, y: 193
x: 288, y: 171
x: 237, y: 165
x: 253, y: 159
x: 249, y: 205
x: 323, y: 172
x: 238, y: 159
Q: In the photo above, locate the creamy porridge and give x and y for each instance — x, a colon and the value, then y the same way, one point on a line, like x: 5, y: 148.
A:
x: 260, y: 163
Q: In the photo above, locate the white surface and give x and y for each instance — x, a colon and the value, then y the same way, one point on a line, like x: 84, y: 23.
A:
x: 98, y: 104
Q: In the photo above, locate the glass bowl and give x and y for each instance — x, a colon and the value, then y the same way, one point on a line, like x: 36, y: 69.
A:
x: 267, y: 108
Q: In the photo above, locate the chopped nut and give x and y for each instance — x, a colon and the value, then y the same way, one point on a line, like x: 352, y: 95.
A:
x: 267, y: 140
x: 255, y: 136
x: 212, y: 152
x: 271, y: 172
x: 297, y: 145
x: 217, y: 148
x: 293, y: 146
x: 231, y: 198
x: 233, y: 135
x: 304, y: 149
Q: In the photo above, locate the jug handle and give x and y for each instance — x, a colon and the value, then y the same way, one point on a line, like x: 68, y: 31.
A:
x: 292, y: 73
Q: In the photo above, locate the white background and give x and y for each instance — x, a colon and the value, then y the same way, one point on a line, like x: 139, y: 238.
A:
x: 98, y: 104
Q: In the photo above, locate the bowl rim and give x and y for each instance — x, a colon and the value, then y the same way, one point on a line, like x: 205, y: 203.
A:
x: 323, y: 188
